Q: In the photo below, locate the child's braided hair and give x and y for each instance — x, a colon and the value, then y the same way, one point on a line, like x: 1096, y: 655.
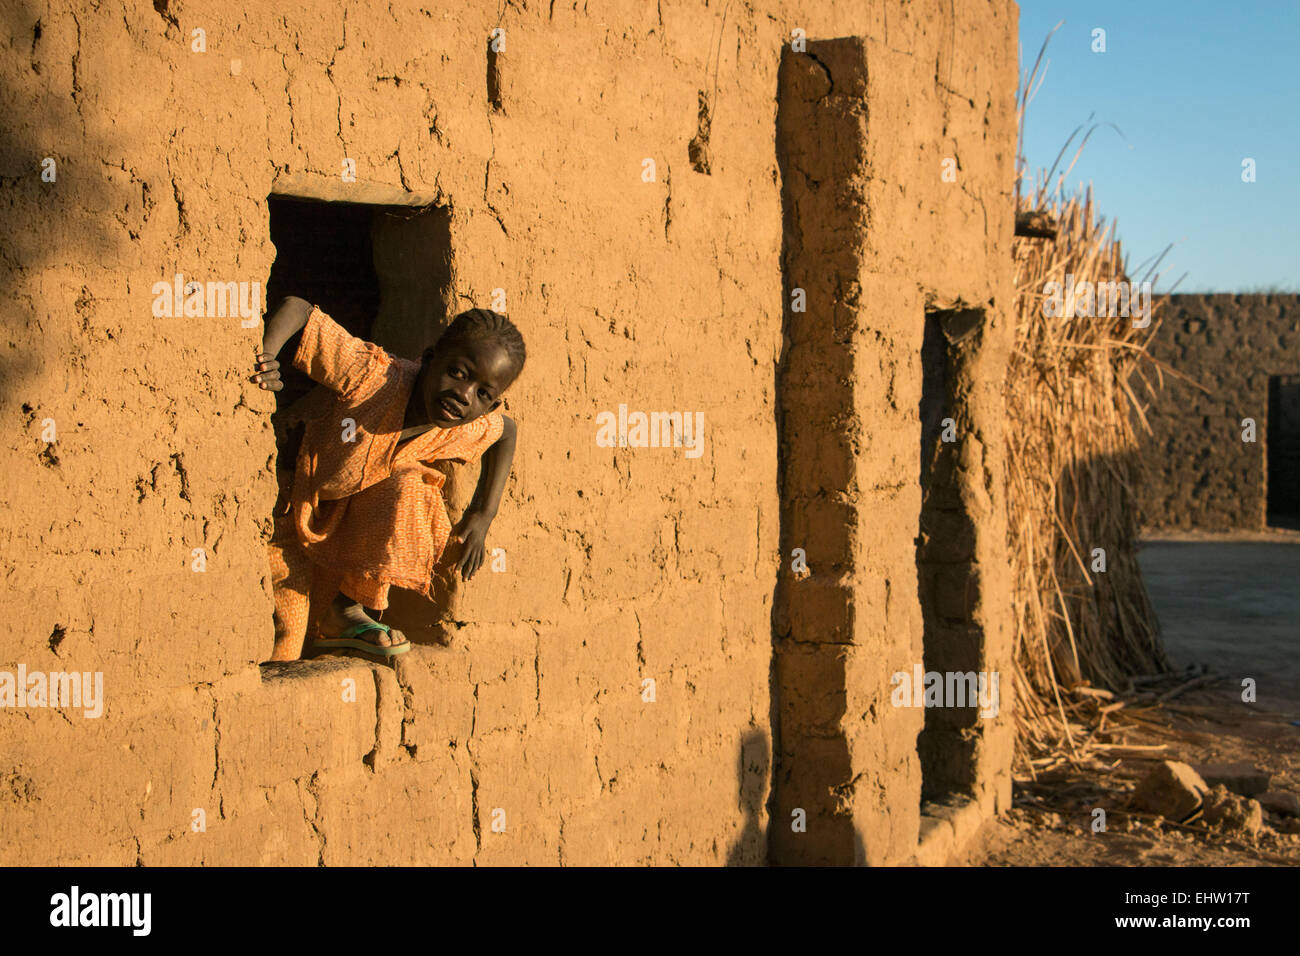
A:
x: 478, y: 324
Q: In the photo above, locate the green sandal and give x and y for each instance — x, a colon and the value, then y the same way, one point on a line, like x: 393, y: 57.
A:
x: 351, y: 639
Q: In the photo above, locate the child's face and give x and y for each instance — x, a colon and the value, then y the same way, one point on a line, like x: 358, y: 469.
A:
x: 465, y: 380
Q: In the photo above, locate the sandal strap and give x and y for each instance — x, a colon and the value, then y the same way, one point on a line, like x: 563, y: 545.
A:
x: 359, y: 629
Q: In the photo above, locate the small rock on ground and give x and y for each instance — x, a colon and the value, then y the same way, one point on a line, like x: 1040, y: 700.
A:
x: 1172, y: 789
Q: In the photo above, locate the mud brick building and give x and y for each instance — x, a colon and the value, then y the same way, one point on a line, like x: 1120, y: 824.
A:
x: 1237, y: 358
x: 684, y: 207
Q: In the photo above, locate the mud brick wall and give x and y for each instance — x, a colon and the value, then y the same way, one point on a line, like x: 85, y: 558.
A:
x: 1200, y: 474
x: 623, y: 564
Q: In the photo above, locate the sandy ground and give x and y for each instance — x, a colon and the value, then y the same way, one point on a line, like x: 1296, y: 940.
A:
x: 1233, y: 605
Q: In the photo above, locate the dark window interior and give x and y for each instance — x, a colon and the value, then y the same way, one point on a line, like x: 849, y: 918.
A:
x: 1283, y: 450
x: 382, y: 272
x: 323, y: 254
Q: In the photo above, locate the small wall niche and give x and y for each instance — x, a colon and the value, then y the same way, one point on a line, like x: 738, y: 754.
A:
x: 494, y: 70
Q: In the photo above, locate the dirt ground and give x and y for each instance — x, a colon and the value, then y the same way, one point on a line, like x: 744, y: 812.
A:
x: 1230, y: 604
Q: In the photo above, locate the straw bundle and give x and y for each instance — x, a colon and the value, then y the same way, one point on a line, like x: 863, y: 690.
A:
x: 1072, y: 465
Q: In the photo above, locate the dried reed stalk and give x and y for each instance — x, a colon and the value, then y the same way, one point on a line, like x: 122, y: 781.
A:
x: 1072, y: 466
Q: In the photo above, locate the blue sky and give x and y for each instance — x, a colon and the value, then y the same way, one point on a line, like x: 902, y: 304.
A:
x: 1195, y: 87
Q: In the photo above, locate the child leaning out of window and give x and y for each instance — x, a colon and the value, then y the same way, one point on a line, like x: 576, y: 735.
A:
x: 365, y: 510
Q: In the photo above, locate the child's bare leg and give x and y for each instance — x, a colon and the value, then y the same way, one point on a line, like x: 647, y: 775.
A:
x: 291, y: 580
x: 288, y: 647
x: 290, y: 622
x: 344, y: 613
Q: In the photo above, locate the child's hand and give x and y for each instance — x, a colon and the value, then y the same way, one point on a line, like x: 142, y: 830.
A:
x: 268, y: 370
x: 471, y: 532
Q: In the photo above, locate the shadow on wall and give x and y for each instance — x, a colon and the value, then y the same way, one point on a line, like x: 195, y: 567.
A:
x: 750, y: 849
x: 49, y: 224
x: 753, y: 776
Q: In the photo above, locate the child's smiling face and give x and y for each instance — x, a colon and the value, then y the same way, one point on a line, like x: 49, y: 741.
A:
x: 465, y: 380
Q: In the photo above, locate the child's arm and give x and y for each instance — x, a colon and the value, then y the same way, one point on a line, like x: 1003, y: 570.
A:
x: 495, y: 469
x: 285, y: 322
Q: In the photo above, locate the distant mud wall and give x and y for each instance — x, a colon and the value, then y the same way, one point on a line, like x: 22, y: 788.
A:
x: 1207, y: 461
x: 606, y: 696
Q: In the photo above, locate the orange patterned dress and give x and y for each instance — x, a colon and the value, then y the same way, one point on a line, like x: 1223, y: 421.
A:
x: 363, y: 514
